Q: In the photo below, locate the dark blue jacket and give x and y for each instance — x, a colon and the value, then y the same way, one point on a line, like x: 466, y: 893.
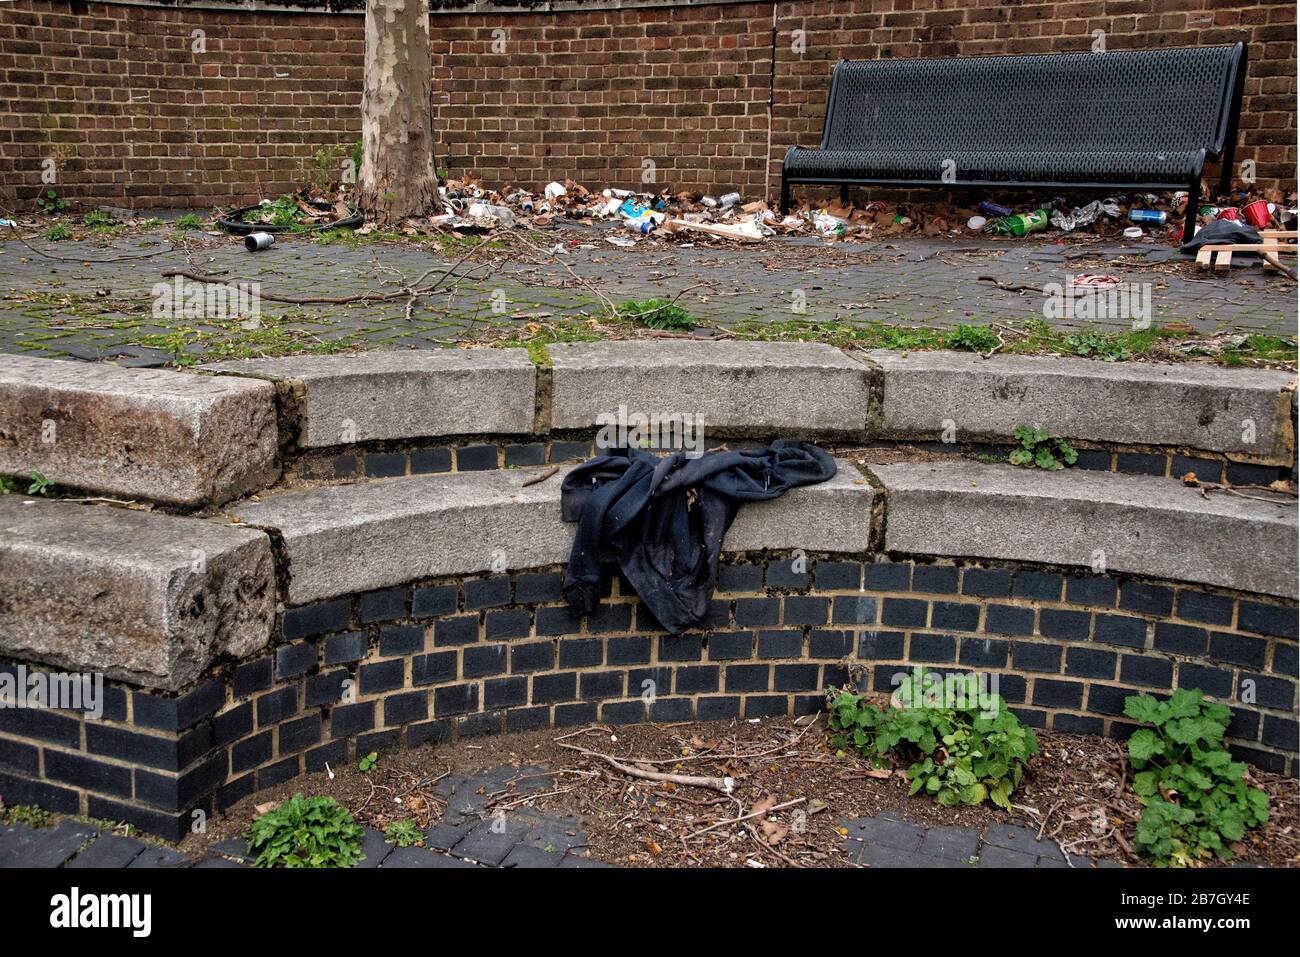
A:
x: 665, y: 518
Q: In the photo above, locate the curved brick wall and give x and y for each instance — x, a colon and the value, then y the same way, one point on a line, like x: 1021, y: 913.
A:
x: 433, y: 659
x: 114, y: 93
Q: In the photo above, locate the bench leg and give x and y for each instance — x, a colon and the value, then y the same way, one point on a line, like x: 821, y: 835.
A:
x: 844, y: 195
x: 785, y: 196
x: 1193, y: 204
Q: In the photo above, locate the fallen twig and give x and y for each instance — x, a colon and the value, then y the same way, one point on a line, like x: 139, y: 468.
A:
x: 725, y: 785
x: 553, y: 470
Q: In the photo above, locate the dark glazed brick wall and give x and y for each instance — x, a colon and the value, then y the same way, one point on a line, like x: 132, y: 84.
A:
x: 115, y: 96
x: 467, y: 657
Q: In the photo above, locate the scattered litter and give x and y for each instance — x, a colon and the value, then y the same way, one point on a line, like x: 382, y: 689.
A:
x: 1085, y: 215
x: 1018, y: 224
x: 1134, y: 232
x: 992, y: 210
x: 257, y: 241
x: 1094, y: 281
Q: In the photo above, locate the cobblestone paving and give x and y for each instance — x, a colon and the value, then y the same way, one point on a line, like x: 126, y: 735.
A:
x: 95, y: 310
x: 886, y: 840
x: 465, y: 837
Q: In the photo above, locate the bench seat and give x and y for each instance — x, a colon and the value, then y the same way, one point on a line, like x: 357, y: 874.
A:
x: 1118, y: 120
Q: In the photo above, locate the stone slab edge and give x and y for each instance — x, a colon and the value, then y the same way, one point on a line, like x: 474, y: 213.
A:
x: 745, y: 389
x: 375, y: 396
x: 141, y: 597
x: 1244, y: 413
x: 1141, y: 525
x: 343, y: 539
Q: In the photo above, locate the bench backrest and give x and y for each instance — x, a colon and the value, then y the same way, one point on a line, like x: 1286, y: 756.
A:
x: 1171, y: 99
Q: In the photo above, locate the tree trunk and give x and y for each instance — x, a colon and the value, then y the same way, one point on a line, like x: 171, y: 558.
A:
x: 396, y: 178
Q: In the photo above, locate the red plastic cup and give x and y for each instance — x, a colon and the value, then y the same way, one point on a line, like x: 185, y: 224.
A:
x: 1230, y: 212
x: 1256, y: 214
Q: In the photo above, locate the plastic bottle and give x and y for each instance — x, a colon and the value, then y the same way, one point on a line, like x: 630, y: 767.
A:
x: 643, y: 226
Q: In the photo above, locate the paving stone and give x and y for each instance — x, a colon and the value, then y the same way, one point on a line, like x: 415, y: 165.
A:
x: 883, y: 856
x: 403, y: 857
x: 109, y: 851
x: 884, y: 831
x: 159, y: 857
x: 374, y: 848
x: 443, y: 836
x: 958, y: 843
x: 483, y: 845
x: 1023, y: 840
x: 994, y: 856
x: 22, y: 846
x: 235, y: 847
x: 524, y: 855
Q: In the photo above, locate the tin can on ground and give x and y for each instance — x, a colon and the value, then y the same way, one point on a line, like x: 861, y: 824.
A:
x: 1147, y: 216
x: 255, y: 241
x: 991, y: 210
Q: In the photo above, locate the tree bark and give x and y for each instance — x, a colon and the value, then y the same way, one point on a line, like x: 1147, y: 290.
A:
x: 396, y: 178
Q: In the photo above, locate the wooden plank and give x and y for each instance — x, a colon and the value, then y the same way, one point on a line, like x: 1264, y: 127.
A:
x: 1222, y: 259
x: 1270, y: 247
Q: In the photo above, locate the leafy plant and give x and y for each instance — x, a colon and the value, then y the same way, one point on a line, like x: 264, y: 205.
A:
x: 1196, y: 800
x: 58, y: 232
x: 1092, y: 345
x: 306, y: 832
x: 40, y: 485
x: 1038, y: 449
x: 657, y: 314
x: 965, y: 745
x: 98, y: 219
x: 50, y: 203
x: 29, y: 814
x: 404, y: 833
x: 37, y: 484
x: 368, y: 762
x: 190, y: 221
x: 972, y: 338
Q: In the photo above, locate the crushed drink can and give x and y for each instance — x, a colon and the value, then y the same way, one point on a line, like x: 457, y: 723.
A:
x: 991, y: 210
x: 1021, y: 224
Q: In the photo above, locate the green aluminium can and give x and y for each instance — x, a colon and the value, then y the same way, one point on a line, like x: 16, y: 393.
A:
x: 1020, y: 224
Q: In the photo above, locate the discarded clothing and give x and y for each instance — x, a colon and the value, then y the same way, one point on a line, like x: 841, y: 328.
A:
x: 1221, y: 231
x: 665, y: 518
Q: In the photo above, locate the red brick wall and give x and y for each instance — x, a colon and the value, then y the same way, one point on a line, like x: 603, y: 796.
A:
x: 131, y: 116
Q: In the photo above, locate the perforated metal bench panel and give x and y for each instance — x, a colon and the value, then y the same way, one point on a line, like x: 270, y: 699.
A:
x: 1125, y: 118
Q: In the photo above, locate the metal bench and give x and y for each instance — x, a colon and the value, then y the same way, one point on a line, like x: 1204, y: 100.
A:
x: 1130, y: 119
